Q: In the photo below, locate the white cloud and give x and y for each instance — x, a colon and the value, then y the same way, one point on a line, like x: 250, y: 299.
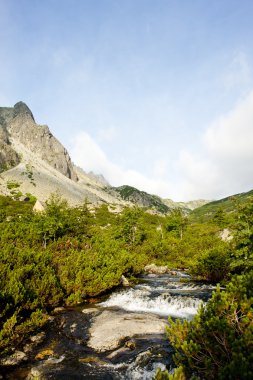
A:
x: 160, y: 167
x: 231, y: 137
x: 226, y: 163
x: 222, y: 165
x: 107, y: 134
x: 88, y: 154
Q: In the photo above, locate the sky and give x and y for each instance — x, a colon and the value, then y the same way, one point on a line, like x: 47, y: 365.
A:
x: 156, y: 94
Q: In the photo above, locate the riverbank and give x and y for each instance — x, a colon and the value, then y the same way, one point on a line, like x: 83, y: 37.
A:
x: 119, y: 337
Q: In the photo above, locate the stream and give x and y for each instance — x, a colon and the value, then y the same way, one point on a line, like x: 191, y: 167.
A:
x: 122, y: 336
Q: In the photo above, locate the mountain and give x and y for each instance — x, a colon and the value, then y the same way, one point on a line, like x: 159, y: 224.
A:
x: 150, y: 201
x: 20, y: 125
x: 8, y: 156
x: 187, y: 206
x: 33, y: 161
x: 227, y: 204
x: 141, y: 198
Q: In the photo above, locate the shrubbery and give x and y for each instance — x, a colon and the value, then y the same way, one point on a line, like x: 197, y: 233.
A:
x: 65, y: 255
x: 213, y: 265
x: 218, y: 342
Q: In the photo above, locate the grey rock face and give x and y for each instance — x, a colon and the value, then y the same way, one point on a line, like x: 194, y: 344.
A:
x: 8, y: 157
x: 21, y: 108
x: 20, y: 125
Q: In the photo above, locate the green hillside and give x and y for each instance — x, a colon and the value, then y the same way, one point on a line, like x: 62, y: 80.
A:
x: 141, y: 198
x: 228, y: 205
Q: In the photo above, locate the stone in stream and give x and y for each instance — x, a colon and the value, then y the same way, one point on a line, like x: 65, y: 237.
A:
x: 124, y: 281
x: 38, y: 338
x: 14, y: 359
x: 34, y: 341
x: 35, y: 373
x: 90, y: 310
x: 131, y: 344
x: 58, y: 310
x: 154, y: 269
x: 111, y: 327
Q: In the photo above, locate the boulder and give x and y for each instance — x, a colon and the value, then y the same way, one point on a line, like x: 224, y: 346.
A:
x: 124, y: 281
x: 14, y: 359
x: 58, y: 310
x: 226, y: 235
x: 90, y: 310
x: 111, y: 327
x: 154, y: 269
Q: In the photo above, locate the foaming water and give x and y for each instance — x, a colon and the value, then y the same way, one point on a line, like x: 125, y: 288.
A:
x: 164, y: 295
x: 139, y: 370
x: 141, y: 300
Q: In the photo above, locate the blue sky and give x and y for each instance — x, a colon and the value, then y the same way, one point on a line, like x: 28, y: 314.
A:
x: 155, y: 94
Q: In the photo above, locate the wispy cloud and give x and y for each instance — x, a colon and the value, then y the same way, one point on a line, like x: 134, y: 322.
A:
x: 225, y: 165
x: 90, y: 156
x: 107, y: 134
x: 221, y: 166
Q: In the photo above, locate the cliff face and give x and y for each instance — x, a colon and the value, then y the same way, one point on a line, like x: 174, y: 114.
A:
x: 8, y: 156
x: 33, y: 159
x: 18, y: 124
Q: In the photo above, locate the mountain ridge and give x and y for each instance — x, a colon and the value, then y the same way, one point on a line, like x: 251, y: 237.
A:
x: 38, y: 163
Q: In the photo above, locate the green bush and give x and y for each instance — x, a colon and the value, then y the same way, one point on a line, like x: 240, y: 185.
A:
x: 218, y: 343
x: 212, y: 265
x: 65, y: 255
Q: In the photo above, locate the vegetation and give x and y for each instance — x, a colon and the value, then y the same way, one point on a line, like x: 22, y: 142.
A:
x: 218, y: 342
x: 64, y: 255
x: 29, y: 173
x: 141, y: 198
x: 226, y: 205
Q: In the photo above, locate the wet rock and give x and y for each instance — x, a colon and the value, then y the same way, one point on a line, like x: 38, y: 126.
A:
x: 14, y: 359
x: 90, y: 310
x: 73, y: 327
x: 154, y: 269
x: 91, y: 360
x: 111, y: 327
x: 40, y: 371
x: 34, y: 341
x: 58, y: 310
x: 35, y: 373
x: 38, y: 338
x: 117, y: 352
x: 62, y: 322
x: 44, y: 354
x: 131, y: 344
x: 124, y: 281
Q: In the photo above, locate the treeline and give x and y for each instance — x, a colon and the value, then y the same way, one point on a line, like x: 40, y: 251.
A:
x: 65, y: 255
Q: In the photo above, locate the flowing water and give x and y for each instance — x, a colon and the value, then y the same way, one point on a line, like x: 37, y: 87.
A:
x: 70, y: 357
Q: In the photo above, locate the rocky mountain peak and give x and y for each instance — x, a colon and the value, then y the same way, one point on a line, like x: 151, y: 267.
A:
x: 21, y: 131
x: 21, y: 108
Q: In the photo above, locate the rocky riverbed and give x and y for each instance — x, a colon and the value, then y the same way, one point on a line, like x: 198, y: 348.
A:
x: 120, y: 337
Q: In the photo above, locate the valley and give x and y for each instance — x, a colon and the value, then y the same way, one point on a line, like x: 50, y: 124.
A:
x: 77, y: 297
